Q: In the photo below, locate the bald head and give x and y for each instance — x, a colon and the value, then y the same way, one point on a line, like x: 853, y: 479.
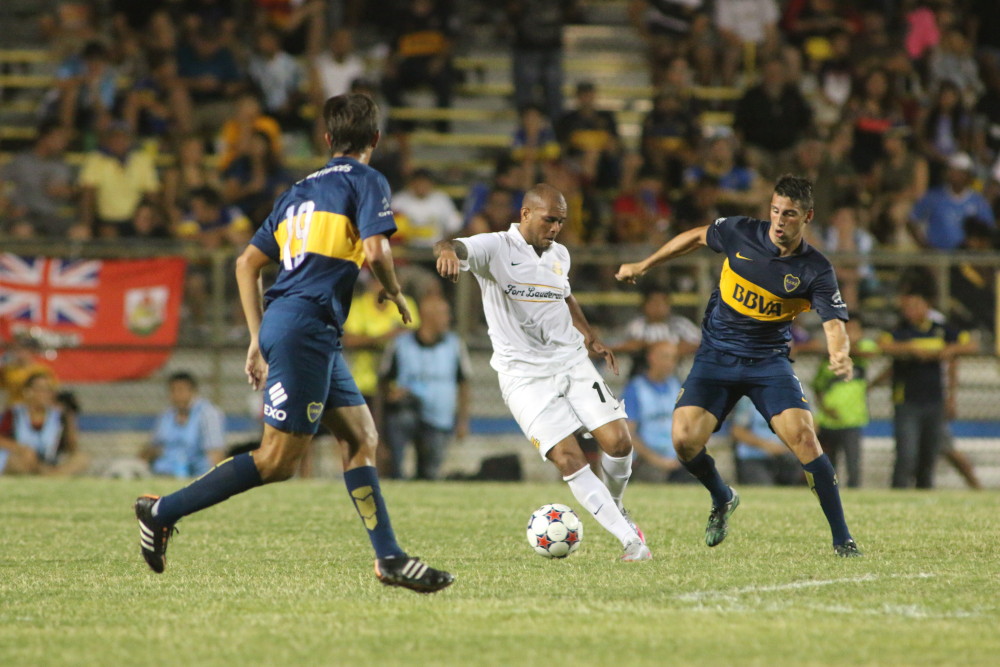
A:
x: 543, y: 215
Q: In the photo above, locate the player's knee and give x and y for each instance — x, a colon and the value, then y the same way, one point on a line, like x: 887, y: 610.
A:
x: 621, y: 445
x: 687, y: 441
x: 275, y: 464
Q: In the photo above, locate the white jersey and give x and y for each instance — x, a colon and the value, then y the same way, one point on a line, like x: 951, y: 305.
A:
x: 524, y: 298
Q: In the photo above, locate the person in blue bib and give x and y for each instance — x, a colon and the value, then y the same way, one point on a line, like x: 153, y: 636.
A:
x: 769, y: 276
x: 320, y: 233
x: 190, y: 436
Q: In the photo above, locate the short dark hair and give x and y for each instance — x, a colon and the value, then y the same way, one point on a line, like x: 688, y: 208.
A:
x: 182, y: 376
x: 796, y: 188
x: 352, y: 121
x: 209, y: 195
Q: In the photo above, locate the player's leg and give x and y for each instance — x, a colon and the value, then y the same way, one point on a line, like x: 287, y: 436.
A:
x: 349, y: 418
x: 541, y: 410
x: 851, y: 446
x: 906, y: 429
x: 929, y: 447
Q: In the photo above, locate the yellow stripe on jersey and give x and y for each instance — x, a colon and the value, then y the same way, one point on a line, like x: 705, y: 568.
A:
x: 319, y: 233
x: 753, y: 301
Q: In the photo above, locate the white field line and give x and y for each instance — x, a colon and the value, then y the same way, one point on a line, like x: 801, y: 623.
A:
x: 732, y: 593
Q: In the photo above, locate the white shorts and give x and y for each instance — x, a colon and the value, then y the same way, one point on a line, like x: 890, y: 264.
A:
x: 548, y: 409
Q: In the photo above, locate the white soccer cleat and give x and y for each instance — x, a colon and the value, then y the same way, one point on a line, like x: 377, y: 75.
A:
x: 635, y: 551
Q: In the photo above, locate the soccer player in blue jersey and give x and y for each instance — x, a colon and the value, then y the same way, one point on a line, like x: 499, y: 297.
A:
x: 770, y: 275
x: 320, y: 233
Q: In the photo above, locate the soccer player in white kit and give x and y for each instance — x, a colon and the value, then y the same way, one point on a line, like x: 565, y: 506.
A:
x: 541, y: 344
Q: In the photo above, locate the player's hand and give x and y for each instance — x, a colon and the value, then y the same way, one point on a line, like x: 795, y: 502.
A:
x: 448, y: 265
x: 256, y: 367
x: 603, y: 351
x: 842, y: 366
x: 629, y: 273
x: 400, y: 301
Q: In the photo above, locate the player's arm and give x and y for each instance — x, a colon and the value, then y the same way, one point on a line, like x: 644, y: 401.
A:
x: 449, y: 255
x: 248, y: 268
x: 838, y: 346
x: 591, y: 340
x: 682, y: 244
x: 379, y: 254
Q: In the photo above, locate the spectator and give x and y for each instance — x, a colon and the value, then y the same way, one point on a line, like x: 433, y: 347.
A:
x: 842, y: 405
x: 159, y: 105
x: 808, y: 24
x: 534, y: 139
x: 208, y: 70
x: 589, y: 136
x: 739, y: 186
x: 920, y: 345
x: 537, y: 49
x: 507, y: 175
x: 423, y: 384
x: 834, y: 80
x: 212, y: 224
x: 256, y: 178
x: 952, y: 61
x: 641, y: 214
x: 698, y: 206
x: 656, y: 324
x: 371, y: 325
x: 987, y: 118
x: 649, y: 400
x: 149, y: 223
x: 670, y: 133
x: 898, y: 181
x: 748, y: 27
x: 826, y: 165
x: 771, y: 118
x: 973, y: 284
x: 936, y: 220
x: 844, y: 233
x: 299, y: 22
x: 38, y: 436
x: 872, y: 110
x: 278, y: 78
x: 430, y: 214
x: 333, y: 70
x: 113, y: 181
x: 665, y: 26
x: 19, y: 362
x: 237, y: 133
x: 188, y: 172
x: 420, y: 54
x: 189, y: 437
x: 86, y: 89
x: 40, y: 190
x: 495, y: 216
x: 761, y: 458
x: 215, y: 16
x: 945, y: 129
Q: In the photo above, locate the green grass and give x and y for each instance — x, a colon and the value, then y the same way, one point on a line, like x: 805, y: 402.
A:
x: 282, y: 575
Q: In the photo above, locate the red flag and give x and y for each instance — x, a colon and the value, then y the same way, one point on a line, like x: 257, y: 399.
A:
x: 101, y: 320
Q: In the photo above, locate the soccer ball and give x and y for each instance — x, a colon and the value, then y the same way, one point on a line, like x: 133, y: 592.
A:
x: 554, y: 531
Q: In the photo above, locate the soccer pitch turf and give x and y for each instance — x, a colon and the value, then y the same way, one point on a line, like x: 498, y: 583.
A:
x: 283, y: 576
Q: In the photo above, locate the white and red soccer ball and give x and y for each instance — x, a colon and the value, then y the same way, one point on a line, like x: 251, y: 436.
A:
x: 554, y: 531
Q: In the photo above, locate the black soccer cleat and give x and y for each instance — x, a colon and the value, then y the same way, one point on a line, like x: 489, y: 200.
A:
x: 411, y: 573
x: 153, y: 535
x: 848, y: 549
x: 718, y: 520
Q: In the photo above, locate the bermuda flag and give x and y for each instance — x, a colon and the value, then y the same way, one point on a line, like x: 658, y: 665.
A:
x: 98, y: 320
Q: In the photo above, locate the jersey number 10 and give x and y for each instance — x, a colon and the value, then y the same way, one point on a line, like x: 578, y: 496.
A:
x: 298, y: 221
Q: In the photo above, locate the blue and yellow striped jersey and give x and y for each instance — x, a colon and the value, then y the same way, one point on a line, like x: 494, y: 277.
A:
x: 315, y: 232
x: 759, y: 294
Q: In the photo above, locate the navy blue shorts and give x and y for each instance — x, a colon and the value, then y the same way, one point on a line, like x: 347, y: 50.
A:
x: 718, y: 380
x: 307, y: 372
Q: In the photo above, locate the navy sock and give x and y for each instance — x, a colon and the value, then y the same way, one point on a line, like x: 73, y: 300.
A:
x: 703, y: 467
x: 362, y: 484
x: 823, y: 482
x: 230, y: 477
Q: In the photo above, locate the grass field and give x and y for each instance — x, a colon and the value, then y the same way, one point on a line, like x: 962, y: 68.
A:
x: 282, y: 576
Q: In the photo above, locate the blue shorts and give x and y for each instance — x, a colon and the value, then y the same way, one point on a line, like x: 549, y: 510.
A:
x: 718, y: 380
x: 307, y: 372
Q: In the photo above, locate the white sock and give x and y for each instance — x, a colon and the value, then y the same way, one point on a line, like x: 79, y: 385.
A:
x: 594, y: 496
x: 617, y: 471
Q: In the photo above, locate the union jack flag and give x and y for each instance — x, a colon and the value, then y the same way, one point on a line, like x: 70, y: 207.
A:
x: 49, y: 291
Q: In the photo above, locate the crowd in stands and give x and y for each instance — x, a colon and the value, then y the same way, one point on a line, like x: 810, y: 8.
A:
x: 186, y: 113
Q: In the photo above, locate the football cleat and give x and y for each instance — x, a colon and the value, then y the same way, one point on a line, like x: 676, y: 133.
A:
x: 718, y: 520
x: 848, y: 549
x: 153, y: 535
x: 637, y: 529
x: 635, y: 551
x: 411, y: 573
